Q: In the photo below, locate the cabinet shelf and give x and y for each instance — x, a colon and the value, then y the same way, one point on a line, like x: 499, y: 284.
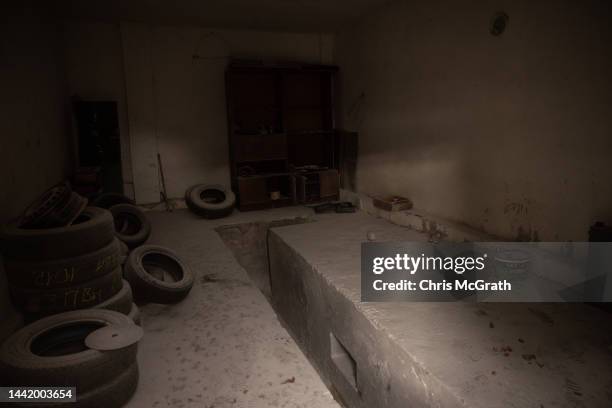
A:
x: 295, y: 103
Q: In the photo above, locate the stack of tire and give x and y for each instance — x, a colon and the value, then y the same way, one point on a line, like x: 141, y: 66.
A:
x: 61, y: 256
x: 55, y: 352
x: 210, y: 200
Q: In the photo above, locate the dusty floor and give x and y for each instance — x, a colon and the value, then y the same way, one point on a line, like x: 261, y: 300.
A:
x: 223, y: 346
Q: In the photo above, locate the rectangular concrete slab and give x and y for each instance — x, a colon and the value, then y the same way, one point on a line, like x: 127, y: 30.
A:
x: 429, y: 354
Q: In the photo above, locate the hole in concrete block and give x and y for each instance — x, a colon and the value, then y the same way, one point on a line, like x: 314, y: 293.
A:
x: 343, y: 360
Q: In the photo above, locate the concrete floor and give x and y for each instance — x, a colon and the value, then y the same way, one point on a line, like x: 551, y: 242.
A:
x: 223, y: 346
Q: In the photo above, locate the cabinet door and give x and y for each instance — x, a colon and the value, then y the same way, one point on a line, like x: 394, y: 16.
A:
x: 252, y: 190
x: 329, y: 183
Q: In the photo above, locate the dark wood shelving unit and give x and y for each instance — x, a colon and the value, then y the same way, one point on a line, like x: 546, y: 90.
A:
x: 281, y: 119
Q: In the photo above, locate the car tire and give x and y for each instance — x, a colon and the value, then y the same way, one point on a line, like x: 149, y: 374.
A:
x: 92, y: 230
x: 131, y: 224
x: 121, y: 302
x: 64, y: 215
x: 210, y: 200
x: 40, y: 302
x: 150, y: 288
x: 51, y: 352
x: 61, y: 273
x: 135, y: 314
x: 37, y: 213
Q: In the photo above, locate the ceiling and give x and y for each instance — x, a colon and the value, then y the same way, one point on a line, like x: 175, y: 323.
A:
x: 285, y: 15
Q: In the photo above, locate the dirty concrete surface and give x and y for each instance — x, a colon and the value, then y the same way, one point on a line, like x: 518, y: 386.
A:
x: 223, y: 346
x: 433, y: 354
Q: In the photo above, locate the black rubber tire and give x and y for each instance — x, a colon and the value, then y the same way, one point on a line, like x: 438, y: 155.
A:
x: 135, y: 314
x: 149, y: 288
x: 124, y: 251
x: 62, y: 216
x: 107, y: 200
x: 122, y: 302
x: 140, y: 226
x: 43, y: 302
x: 92, y: 230
x: 221, y: 206
x: 35, y: 215
x: 25, y: 359
x: 62, y: 273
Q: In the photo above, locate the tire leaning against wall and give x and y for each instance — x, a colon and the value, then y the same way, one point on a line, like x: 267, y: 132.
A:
x: 220, y: 206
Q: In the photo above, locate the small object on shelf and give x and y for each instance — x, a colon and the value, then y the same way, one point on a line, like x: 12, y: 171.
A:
x: 275, y: 195
x: 392, y: 203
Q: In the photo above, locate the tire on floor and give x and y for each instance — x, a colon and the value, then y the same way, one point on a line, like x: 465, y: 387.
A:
x: 210, y: 200
x: 158, y: 275
x: 51, y: 352
x: 131, y: 224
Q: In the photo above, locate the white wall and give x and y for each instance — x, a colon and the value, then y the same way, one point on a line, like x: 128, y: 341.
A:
x: 510, y: 134
x: 169, y: 101
x: 177, y: 102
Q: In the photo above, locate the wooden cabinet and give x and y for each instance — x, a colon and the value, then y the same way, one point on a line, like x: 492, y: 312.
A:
x: 281, y: 118
x: 315, y: 186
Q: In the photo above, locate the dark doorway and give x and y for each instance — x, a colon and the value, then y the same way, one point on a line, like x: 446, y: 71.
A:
x: 99, y: 141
